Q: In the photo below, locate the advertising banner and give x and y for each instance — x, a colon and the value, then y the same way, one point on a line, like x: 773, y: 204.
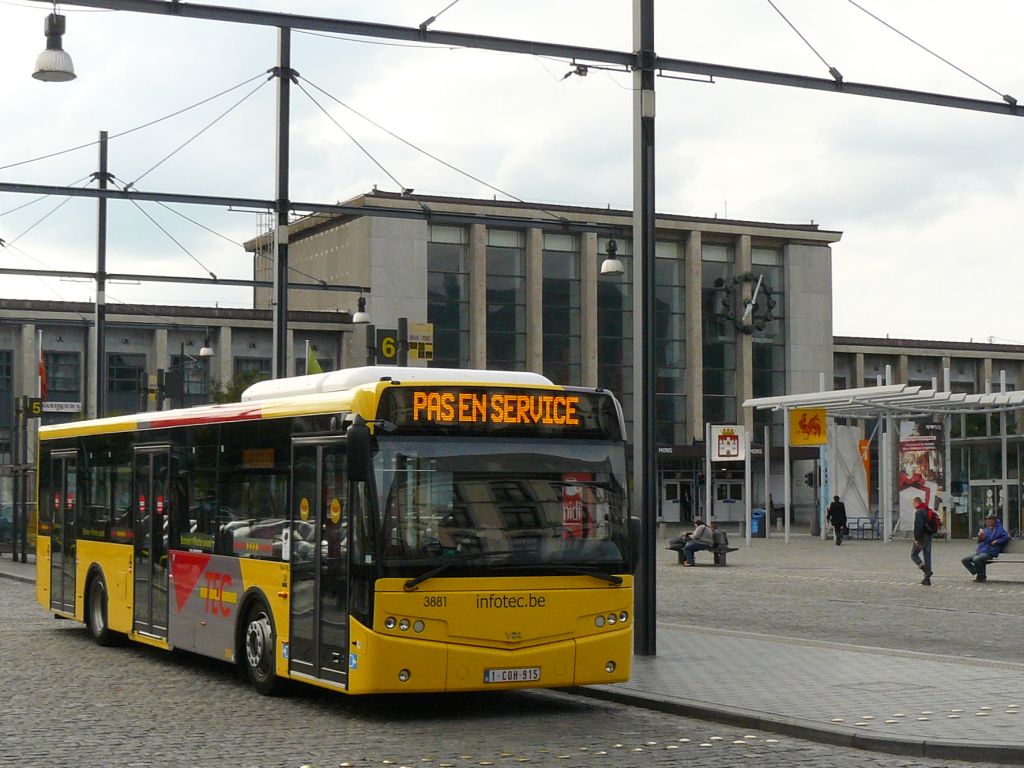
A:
x: 922, y: 468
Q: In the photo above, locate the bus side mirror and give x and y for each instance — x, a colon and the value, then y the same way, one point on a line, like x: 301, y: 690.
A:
x: 358, y: 451
x: 635, y: 542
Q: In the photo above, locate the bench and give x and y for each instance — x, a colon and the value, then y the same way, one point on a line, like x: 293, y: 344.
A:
x: 720, y: 551
x: 1003, y: 559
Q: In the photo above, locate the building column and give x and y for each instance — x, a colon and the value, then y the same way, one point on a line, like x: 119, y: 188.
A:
x: 535, y: 300
x: 29, y: 363
x: 588, y: 309
x: 986, y: 376
x: 694, y: 338
x: 477, y: 296
x: 744, y: 341
x: 903, y: 364
x: 223, y: 368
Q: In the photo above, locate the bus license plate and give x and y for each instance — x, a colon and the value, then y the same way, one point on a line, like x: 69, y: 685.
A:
x: 512, y: 675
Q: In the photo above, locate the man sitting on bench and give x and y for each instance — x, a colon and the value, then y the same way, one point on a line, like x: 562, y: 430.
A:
x: 991, y: 540
x: 702, y: 537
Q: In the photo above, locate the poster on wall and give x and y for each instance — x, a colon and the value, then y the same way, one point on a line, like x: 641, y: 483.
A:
x: 922, y: 468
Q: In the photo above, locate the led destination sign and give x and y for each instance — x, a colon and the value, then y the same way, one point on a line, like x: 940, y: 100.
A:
x: 500, y: 410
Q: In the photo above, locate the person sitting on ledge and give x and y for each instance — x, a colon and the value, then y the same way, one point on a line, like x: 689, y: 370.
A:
x: 991, y: 540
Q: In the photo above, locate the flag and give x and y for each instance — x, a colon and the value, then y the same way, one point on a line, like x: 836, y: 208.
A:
x: 42, y: 375
x: 312, y: 364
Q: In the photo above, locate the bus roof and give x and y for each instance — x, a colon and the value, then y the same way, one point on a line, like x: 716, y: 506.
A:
x: 337, y: 381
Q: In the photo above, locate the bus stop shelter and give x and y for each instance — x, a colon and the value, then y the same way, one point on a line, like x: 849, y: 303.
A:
x: 887, y: 404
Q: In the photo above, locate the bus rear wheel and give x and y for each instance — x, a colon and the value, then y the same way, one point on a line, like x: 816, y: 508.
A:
x: 96, y: 613
x: 259, y: 643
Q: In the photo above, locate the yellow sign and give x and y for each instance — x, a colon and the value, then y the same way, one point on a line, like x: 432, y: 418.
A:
x: 421, y: 341
x: 304, y: 509
x: 807, y: 426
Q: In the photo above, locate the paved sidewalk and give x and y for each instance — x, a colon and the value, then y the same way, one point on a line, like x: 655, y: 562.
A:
x: 901, y: 702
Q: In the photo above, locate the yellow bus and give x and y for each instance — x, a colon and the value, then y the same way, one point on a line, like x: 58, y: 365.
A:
x: 367, y: 530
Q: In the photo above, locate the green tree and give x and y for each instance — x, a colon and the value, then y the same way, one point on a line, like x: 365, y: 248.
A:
x: 231, y: 390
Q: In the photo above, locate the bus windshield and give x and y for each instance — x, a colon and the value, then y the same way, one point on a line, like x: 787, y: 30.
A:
x: 472, y: 507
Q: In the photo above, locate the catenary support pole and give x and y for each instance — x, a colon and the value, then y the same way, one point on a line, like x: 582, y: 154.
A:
x: 644, y: 453
x: 99, y: 377
x: 747, y: 506
x: 284, y: 79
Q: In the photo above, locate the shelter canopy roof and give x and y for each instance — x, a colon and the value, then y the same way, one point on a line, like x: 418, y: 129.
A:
x: 901, y: 400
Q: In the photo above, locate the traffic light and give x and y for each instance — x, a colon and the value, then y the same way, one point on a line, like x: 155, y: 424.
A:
x: 809, y: 479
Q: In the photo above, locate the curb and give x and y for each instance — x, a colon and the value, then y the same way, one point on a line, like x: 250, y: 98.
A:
x: 1011, y: 754
x: 17, y: 577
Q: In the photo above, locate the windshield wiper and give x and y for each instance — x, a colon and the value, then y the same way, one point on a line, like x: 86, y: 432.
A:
x: 417, y: 580
x: 577, y: 571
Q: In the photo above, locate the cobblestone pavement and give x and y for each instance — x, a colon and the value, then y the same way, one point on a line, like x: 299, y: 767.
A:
x: 67, y: 702
x: 864, y: 592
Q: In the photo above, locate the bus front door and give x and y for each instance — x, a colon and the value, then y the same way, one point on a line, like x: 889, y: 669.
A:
x: 319, y: 563
x: 152, y: 469
x: 64, y: 471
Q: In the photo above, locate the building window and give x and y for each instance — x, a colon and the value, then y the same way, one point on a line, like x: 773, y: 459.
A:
x: 768, y: 332
x: 669, y: 345
x: 506, y: 301
x: 718, y: 310
x: 195, y: 380
x: 615, y: 328
x: 6, y: 404
x: 63, y: 384
x: 560, y: 284
x: 448, y: 296
x: 253, y: 369
x: 126, y: 384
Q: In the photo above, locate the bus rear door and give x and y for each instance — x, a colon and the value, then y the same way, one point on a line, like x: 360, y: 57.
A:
x: 152, y: 470
x: 64, y: 479
x: 319, y: 562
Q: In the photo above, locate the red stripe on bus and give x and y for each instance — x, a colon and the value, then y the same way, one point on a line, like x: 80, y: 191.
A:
x: 209, y: 417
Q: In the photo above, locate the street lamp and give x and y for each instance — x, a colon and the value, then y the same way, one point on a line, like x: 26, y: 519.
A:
x: 54, y: 64
x: 361, y: 317
x: 611, y: 264
x: 206, y: 350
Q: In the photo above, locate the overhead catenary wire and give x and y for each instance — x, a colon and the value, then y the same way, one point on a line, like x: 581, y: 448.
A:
x: 201, y: 131
x: 422, y: 151
x: 41, y: 197
x: 831, y: 70
x: 52, y: 211
x: 157, y: 224
x: 118, y: 135
x: 1005, y: 97
x: 354, y: 140
x: 435, y: 17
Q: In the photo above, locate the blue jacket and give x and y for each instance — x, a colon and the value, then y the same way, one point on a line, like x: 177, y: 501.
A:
x: 993, y: 540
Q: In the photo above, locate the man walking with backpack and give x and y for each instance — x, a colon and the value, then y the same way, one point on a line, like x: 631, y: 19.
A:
x: 926, y: 524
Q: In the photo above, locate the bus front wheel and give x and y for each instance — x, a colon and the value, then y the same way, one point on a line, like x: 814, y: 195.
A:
x: 259, y: 643
x: 96, y: 612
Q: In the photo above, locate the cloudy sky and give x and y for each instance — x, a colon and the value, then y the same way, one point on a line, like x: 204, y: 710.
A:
x: 928, y: 199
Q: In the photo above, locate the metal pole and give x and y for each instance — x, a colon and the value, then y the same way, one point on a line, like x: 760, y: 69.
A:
x: 99, y: 374
x: 707, y: 473
x: 25, y: 478
x: 767, y: 481
x: 16, y: 477
x: 786, y: 474
x: 403, y: 341
x: 1004, y: 485
x: 644, y: 453
x: 284, y: 75
x: 747, y: 461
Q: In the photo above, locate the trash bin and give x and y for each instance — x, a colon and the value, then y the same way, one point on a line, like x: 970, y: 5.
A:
x: 757, y: 523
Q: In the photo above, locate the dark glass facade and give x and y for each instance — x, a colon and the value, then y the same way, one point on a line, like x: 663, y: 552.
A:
x: 506, y: 301
x: 448, y: 296
x: 561, y: 309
